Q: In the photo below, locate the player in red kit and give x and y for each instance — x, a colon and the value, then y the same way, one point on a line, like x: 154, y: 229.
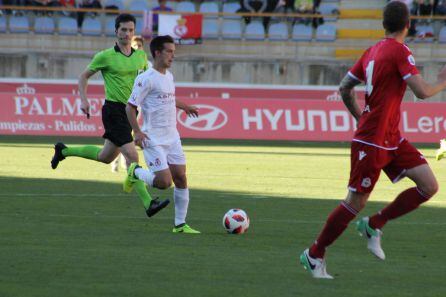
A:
x: 386, y: 69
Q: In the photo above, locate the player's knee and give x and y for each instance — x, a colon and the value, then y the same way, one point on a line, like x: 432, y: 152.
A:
x: 163, y: 183
x: 180, y: 181
x: 106, y: 160
x: 429, y: 189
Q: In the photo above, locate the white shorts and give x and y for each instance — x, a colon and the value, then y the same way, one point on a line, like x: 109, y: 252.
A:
x: 158, y: 157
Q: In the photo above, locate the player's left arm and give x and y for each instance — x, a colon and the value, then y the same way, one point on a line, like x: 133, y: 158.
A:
x: 190, y: 110
x: 422, y: 89
x: 346, y: 89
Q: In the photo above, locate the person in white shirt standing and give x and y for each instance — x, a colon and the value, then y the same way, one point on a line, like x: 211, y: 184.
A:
x: 154, y: 92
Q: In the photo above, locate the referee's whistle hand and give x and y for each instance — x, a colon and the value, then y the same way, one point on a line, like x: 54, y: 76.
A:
x: 85, y: 108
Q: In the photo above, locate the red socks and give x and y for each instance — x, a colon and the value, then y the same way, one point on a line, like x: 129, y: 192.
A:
x: 406, y: 201
x: 337, y: 222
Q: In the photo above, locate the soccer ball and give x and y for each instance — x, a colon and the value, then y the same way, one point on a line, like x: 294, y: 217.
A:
x: 236, y: 221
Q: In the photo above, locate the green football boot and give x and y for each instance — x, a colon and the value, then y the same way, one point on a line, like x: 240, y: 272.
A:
x: 130, y: 178
x: 185, y: 228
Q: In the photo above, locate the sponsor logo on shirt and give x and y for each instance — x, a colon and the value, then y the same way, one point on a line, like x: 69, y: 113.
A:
x: 210, y: 118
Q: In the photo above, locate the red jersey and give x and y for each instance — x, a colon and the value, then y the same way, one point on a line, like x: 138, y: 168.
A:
x: 384, y: 68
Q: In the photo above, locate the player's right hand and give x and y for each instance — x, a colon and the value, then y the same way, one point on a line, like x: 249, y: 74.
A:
x: 85, y: 107
x: 140, y: 139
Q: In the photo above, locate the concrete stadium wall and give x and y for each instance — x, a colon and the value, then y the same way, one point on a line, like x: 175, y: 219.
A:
x: 284, y: 63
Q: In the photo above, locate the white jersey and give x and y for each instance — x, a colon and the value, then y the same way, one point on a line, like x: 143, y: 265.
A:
x: 154, y: 92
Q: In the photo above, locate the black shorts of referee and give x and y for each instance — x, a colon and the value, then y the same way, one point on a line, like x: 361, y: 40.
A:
x: 116, y: 125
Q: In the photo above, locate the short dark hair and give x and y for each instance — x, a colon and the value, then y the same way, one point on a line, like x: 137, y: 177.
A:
x: 396, y: 16
x: 157, y: 43
x: 124, y: 18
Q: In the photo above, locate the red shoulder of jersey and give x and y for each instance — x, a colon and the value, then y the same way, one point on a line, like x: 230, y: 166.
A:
x: 405, y: 62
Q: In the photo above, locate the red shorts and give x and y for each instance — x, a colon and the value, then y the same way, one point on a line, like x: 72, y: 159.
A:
x: 367, y: 162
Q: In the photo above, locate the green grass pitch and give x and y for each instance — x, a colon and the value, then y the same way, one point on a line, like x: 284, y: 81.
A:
x: 73, y: 232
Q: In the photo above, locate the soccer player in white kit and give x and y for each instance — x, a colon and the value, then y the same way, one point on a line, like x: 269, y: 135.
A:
x: 154, y: 92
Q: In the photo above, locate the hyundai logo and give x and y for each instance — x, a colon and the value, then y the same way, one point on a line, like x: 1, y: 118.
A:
x: 210, y: 118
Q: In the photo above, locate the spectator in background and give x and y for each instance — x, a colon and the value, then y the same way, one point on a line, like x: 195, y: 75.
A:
x: 44, y: 4
x: 68, y: 4
x: 424, y: 7
x: 261, y: 6
x: 162, y: 6
x: 309, y: 7
x: 440, y: 8
x: 14, y: 3
x: 87, y: 4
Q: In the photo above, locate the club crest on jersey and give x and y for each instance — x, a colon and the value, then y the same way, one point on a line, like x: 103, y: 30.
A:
x: 411, y: 60
x: 362, y: 154
x: 366, y: 182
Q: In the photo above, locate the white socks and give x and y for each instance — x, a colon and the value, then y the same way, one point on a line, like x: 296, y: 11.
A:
x: 145, y: 175
x: 181, y: 199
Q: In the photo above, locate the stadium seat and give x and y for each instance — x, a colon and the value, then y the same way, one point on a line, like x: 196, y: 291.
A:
x: 425, y: 33
x: 209, y: 7
x: 116, y: 3
x: 67, y: 26
x: 326, y: 32
x: 2, y: 24
x: 18, y: 24
x: 171, y: 4
x: 185, y: 6
x: 255, y: 31
x: 231, y: 7
x: 110, y: 26
x: 210, y: 29
x: 231, y: 29
x: 44, y: 25
x: 302, y: 32
x: 278, y: 32
x: 138, y: 5
x: 139, y: 25
x: 327, y: 9
x: 91, y: 27
x: 442, y: 35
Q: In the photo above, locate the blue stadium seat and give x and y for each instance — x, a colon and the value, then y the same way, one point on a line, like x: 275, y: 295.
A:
x: 110, y: 26
x: 67, y: 26
x: 255, y: 31
x: 231, y: 7
x: 326, y: 32
x: 425, y: 33
x: 442, y: 35
x: 210, y: 29
x: 18, y: 24
x: 118, y: 3
x: 209, y: 7
x: 185, y: 6
x: 138, y: 5
x: 44, y: 25
x: 139, y: 25
x: 302, y: 32
x: 278, y: 32
x: 231, y: 29
x: 91, y: 27
x: 329, y: 8
x: 2, y: 24
x: 171, y: 4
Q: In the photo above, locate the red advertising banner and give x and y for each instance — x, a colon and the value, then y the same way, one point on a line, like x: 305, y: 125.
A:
x: 226, y: 112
